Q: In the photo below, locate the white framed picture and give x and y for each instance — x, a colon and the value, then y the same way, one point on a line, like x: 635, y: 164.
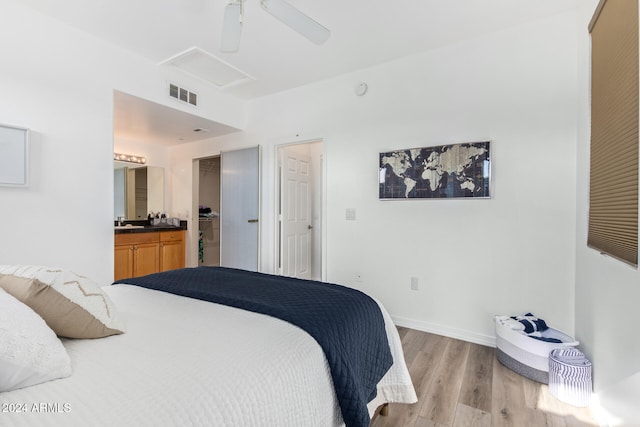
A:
x: 14, y: 156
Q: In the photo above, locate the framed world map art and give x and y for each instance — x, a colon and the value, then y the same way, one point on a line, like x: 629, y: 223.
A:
x: 439, y: 172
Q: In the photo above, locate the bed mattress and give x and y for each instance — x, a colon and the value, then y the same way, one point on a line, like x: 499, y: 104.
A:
x: 194, y: 363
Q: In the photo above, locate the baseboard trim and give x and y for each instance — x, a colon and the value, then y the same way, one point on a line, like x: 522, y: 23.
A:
x: 446, y: 331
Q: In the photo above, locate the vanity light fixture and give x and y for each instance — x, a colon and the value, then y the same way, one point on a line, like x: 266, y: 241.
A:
x: 129, y: 158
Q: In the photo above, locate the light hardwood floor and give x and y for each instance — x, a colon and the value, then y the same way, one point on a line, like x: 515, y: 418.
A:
x: 463, y: 384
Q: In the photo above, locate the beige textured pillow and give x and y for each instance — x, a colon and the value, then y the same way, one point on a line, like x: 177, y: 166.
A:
x: 72, y: 305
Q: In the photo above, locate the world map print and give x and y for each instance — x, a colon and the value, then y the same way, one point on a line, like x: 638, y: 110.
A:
x: 444, y: 171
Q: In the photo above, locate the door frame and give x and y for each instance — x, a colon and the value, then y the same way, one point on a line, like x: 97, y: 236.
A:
x: 323, y: 207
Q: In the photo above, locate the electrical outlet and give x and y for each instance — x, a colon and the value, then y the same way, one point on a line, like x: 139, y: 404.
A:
x: 414, y: 284
x: 358, y: 277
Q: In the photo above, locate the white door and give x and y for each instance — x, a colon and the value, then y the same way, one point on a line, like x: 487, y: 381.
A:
x: 295, y: 214
x: 239, y: 208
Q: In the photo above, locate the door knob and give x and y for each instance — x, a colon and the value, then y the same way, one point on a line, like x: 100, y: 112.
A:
x: 309, y: 227
x: 252, y: 220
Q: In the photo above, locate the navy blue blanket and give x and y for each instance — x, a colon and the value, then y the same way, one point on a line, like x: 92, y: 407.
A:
x: 346, y: 323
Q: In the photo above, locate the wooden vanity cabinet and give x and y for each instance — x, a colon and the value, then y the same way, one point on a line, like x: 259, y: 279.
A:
x: 138, y: 254
x: 172, y: 250
x: 123, y: 261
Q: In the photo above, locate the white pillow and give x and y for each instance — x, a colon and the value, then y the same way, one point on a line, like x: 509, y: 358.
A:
x: 72, y: 305
x: 30, y: 352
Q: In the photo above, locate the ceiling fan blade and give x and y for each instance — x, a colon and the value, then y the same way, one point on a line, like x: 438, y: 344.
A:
x: 296, y: 20
x: 231, y: 27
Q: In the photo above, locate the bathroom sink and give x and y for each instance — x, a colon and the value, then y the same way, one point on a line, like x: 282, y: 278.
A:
x: 127, y: 227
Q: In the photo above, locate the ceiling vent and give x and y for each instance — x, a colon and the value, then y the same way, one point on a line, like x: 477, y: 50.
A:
x: 183, y: 94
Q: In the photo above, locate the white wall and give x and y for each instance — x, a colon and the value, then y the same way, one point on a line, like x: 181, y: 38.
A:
x: 607, y: 291
x: 59, y: 83
x: 474, y: 258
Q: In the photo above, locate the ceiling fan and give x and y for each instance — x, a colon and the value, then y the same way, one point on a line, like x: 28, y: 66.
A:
x: 303, y: 24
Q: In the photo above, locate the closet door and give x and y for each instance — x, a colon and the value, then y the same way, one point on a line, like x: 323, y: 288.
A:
x: 239, y: 208
x: 295, y: 213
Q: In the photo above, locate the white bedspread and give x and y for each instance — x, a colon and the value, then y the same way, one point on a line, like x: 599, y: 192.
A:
x: 185, y: 362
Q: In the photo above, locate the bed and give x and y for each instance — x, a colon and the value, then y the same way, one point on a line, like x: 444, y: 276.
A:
x: 184, y: 361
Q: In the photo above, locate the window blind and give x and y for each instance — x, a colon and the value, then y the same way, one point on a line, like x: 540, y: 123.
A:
x: 613, y: 182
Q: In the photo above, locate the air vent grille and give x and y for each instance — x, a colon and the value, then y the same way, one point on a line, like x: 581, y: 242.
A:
x: 183, y: 94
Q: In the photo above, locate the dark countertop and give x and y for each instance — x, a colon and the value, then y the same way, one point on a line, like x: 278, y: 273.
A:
x: 148, y: 228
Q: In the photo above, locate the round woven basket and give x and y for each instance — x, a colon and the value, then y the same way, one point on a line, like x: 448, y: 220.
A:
x: 570, y: 376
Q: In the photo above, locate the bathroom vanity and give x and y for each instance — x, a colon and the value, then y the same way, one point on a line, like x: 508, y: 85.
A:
x: 141, y: 250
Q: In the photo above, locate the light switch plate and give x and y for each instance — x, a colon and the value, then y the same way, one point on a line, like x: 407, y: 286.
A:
x: 350, y: 214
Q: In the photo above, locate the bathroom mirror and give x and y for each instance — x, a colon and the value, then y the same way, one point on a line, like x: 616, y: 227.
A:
x: 137, y: 190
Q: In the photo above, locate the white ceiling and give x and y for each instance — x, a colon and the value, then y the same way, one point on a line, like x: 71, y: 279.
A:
x: 363, y: 32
